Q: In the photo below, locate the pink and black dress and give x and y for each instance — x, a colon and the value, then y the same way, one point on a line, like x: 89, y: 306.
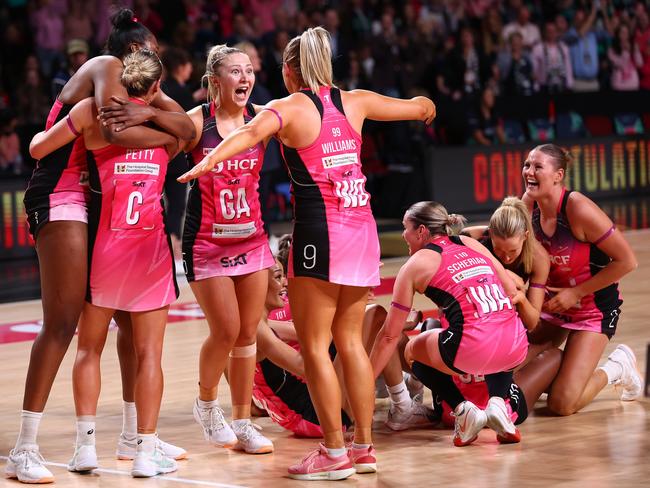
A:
x: 334, y: 234
x: 574, y: 262
x: 224, y: 233
x: 484, y: 333
x: 58, y: 189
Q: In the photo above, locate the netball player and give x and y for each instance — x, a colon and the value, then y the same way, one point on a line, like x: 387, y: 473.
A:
x: 473, y: 290
x: 127, y: 239
x: 335, y: 253
x: 56, y: 202
x: 226, y: 252
x: 589, y: 255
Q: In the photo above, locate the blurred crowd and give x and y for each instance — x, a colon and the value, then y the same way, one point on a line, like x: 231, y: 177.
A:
x: 465, y: 54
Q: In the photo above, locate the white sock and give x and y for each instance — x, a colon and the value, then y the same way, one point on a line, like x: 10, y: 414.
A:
x: 210, y: 404
x: 360, y: 446
x: 146, y: 443
x: 239, y: 424
x: 129, y: 420
x: 399, y: 395
x: 336, y: 452
x: 85, y: 430
x: 29, y: 422
x: 613, y: 370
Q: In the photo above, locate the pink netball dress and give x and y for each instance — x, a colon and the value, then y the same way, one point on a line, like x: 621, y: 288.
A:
x: 224, y: 233
x: 58, y: 188
x: 485, y: 335
x: 130, y: 256
x: 572, y: 263
x: 334, y: 234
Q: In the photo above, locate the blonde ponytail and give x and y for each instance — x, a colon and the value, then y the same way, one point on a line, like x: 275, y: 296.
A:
x: 309, y: 56
x: 512, y: 219
x: 216, y: 57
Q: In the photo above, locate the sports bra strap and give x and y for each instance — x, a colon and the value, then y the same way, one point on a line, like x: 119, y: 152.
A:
x: 206, y: 108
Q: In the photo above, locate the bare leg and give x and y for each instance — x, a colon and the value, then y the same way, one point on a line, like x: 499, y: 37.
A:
x: 313, y: 306
x: 357, y: 370
x: 126, y: 354
x: 578, y: 381
x: 218, y: 300
x: 251, y: 294
x: 62, y: 254
x: 148, y: 335
x: 535, y: 378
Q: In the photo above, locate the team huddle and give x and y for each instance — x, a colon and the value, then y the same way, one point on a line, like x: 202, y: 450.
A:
x: 543, y: 273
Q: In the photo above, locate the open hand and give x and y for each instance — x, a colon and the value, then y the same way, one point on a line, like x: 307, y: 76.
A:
x: 204, y: 166
x: 124, y: 114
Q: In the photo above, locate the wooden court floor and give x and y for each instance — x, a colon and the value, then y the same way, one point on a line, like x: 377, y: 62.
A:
x: 605, y: 445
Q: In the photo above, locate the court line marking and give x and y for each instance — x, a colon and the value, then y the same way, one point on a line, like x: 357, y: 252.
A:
x: 164, y: 477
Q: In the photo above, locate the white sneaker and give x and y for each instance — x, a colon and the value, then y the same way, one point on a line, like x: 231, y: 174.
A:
x: 414, y: 386
x: 146, y: 465
x: 250, y: 440
x: 416, y: 415
x: 630, y: 379
x: 500, y: 422
x: 27, y: 465
x: 469, y: 421
x: 126, y: 449
x: 215, y: 428
x: 84, y: 459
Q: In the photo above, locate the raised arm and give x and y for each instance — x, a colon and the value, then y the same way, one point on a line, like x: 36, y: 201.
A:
x: 107, y: 85
x: 64, y: 131
x: 373, y: 106
x: 589, y: 223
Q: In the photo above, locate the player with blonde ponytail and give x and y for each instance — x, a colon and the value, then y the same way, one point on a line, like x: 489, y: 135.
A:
x: 334, y: 258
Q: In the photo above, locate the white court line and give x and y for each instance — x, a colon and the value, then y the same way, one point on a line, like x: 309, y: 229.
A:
x: 166, y: 478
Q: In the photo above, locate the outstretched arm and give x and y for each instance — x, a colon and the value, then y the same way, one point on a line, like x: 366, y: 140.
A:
x: 264, y: 124
x: 382, y: 108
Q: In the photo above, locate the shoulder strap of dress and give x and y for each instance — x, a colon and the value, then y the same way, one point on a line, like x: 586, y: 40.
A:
x: 433, y: 247
x: 317, y: 101
x: 206, y: 109
x: 250, y: 110
x: 335, y: 93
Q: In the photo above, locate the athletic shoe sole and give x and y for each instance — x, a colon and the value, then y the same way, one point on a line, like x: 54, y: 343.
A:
x: 339, y: 474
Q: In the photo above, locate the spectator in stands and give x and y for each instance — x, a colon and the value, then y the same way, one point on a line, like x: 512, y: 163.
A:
x: 491, y: 29
x: 486, y: 127
x: 529, y: 31
x: 77, y: 54
x: 148, y: 16
x: 385, y: 52
x: 78, y: 22
x: 47, y: 25
x: 11, y: 161
x: 552, y: 63
x: 642, y: 43
x: 516, y: 68
x: 583, y: 49
x: 32, y: 101
x: 625, y: 58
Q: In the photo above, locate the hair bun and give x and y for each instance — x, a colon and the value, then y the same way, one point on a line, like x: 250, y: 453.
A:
x: 122, y: 18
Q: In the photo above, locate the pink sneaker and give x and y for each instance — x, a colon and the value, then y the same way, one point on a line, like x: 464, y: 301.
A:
x: 319, y: 465
x: 363, y: 460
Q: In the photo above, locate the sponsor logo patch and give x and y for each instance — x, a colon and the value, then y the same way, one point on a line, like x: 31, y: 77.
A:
x: 470, y: 273
x: 137, y: 169
x: 340, y: 160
